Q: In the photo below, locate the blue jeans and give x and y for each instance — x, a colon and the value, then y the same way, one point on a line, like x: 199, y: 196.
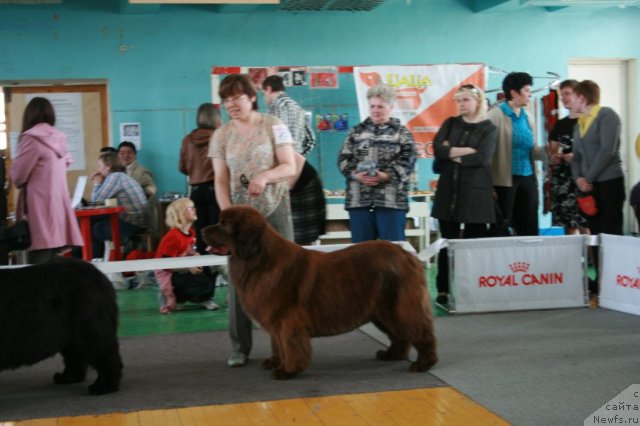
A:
x: 377, y: 223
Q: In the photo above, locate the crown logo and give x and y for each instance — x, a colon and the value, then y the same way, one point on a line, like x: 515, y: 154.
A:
x: 519, y: 266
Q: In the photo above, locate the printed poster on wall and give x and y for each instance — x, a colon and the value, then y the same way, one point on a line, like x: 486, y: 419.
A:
x: 70, y: 121
x: 424, y: 94
x: 131, y: 132
x: 323, y: 78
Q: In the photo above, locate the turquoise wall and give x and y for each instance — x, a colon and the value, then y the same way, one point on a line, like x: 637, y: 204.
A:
x: 158, y: 64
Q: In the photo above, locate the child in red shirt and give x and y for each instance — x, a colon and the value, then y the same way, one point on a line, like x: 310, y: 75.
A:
x: 196, y: 284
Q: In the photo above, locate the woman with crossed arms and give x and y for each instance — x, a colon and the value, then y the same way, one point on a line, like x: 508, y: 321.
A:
x: 463, y: 202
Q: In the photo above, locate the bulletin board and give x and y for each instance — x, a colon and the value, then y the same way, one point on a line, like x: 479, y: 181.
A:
x: 92, y: 109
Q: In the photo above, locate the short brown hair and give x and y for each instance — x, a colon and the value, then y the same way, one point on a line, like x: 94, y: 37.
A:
x: 111, y: 160
x: 275, y: 82
x: 238, y: 84
x: 38, y: 110
x: 570, y: 83
x: 590, y: 90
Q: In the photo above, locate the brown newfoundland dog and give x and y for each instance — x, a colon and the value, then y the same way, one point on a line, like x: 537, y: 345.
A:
x: 296, y: 293
x: 65, y: 306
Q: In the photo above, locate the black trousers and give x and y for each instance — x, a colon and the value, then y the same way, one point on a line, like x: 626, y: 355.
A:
x: 204, y: 199
x: 451, y: 230
x: 519, y: 204
x: 610, y: 197
x: 193, y: 288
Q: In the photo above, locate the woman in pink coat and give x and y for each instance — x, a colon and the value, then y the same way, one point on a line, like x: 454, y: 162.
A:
x: 40, y: 171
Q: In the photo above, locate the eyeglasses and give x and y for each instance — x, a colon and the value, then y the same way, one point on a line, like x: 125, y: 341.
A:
x: 234, y: 99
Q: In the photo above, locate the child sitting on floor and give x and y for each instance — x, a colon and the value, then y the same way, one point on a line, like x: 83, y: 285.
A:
x: 196, y: 284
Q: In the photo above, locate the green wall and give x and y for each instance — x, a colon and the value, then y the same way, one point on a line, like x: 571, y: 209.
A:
x: 157, y: 59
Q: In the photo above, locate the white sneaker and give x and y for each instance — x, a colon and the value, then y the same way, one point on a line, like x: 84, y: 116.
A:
x: 221, y: 281
x: 237, y: 359
x: 117, y: 280
x: 210, y: 305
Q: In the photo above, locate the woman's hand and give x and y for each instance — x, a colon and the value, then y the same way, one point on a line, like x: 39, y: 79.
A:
x: 257, y: 185
x: 583, y: 185
x: 365, y: 179
x: 567, y: 157
x: 195, y: 270
x: 96, y: 177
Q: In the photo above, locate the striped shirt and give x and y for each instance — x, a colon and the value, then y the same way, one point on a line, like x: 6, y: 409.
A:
x: 288, y: 110
x: 129, y: 194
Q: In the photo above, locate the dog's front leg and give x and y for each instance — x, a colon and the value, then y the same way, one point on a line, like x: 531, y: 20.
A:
x: 295, y: 352
x: 274, y: 360
x: 75, y: 367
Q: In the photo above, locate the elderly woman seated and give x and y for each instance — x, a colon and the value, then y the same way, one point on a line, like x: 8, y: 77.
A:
x: 111, y: 181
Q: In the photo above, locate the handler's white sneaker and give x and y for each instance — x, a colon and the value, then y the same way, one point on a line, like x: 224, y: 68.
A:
x: 237, y: 359
x: 210, y: 305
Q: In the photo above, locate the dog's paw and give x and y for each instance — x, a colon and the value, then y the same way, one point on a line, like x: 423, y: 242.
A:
x: 101, y: 387
x: 66, y: 378
x: 270, y: 363
x: 281, y: 374
x: 419, y: 367
x: 388, y: 356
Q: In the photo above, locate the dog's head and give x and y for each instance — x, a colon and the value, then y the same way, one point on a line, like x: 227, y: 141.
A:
x: 239, y: 229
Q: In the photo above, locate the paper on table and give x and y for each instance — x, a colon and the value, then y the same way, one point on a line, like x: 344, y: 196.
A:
x: 79, y: 191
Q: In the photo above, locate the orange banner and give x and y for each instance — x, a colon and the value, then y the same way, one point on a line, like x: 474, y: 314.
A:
x: 424, y: 94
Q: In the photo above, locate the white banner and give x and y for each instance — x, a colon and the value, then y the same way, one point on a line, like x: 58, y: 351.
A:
x: 620, y: 273
x: 515, y: 273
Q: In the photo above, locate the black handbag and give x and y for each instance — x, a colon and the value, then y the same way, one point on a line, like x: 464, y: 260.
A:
x: 16, y: 237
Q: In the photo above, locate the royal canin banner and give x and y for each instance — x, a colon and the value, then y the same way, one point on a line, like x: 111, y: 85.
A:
x: 424, y: 94
x: 620, y: 277
x: 517, y: 273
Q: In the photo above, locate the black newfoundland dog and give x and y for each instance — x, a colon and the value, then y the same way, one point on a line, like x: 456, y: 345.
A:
x: 65, y: 306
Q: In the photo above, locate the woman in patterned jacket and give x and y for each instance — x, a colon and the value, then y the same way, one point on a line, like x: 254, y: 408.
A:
x: 378, y: 159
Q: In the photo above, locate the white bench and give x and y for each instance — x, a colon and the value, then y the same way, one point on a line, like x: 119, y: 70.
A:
x: 419, y: 212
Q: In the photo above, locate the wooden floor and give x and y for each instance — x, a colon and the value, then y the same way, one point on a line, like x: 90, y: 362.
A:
x: 434, y: 406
